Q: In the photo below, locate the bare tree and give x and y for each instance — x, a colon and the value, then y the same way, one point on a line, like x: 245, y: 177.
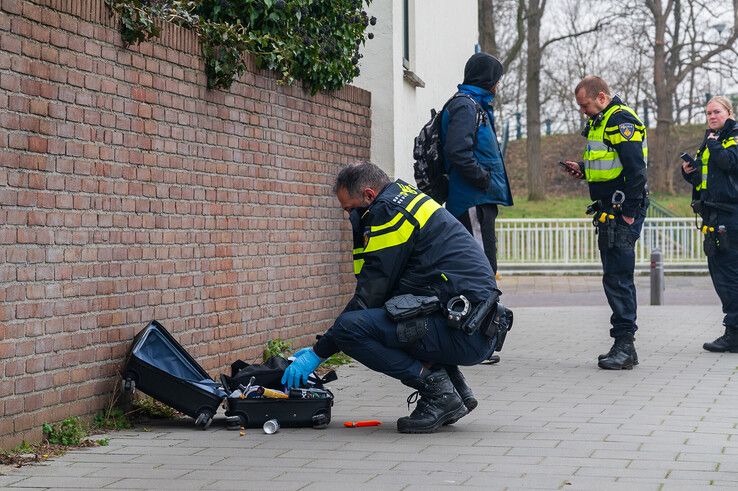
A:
x: 670, y: 69
x: 494, y: 14
x: 534, y: 52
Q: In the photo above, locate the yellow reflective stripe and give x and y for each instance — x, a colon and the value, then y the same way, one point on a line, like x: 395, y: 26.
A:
x: 358, y: 250
x: 377, y: 228
x: 390, y: 239
x: 618, y: 138
x: 729, y: 143
x: 602, y: 175
x: 414, y: 201
x: 705, y: 157
x: 425, y: 211
x: 358, y: 264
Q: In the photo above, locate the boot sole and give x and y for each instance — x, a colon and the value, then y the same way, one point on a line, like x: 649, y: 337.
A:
x: 470, y: 405
x: 729, y: 350
x: 622, y: 367
x: 635, y: 362
x: 456, y: 415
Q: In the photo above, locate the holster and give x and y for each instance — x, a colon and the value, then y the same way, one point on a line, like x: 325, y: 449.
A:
x: 612, y: 234
x: 408, y: 306
x: 476, y: 317
x: 498, y: 324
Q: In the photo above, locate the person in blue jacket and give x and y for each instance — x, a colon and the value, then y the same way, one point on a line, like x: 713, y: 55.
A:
x: 478, y: 181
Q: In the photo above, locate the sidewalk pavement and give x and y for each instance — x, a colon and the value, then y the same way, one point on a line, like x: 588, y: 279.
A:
x: 548, y: 418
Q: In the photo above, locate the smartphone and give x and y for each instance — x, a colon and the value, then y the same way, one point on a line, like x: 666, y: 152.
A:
x: 688, y: 158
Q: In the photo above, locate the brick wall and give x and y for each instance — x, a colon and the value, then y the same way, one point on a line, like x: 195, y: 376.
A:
x: 129, y: 192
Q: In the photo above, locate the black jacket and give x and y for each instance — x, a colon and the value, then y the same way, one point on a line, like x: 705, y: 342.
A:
x: 407, y: 243
x: 722, y: 167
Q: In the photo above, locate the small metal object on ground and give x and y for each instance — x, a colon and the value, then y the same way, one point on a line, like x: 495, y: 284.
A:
x: 271, y: 427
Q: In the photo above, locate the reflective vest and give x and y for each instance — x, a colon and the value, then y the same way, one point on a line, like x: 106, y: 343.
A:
x: 705, y: 157
x: 601, y: 161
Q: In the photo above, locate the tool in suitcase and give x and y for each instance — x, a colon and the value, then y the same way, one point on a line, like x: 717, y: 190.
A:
x: 160, y: 367
x: 255, y: 396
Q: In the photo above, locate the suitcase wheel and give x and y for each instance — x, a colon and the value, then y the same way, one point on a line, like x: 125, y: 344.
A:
x: 321, y: 420
x: 129, y: 383
x: 204, y: 419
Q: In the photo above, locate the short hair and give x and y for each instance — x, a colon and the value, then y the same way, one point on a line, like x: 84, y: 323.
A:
x: 723, y: 101
x: 592, y: 86
x: 360, y: 175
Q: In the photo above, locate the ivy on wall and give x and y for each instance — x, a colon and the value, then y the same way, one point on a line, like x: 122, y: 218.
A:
x: 314, y: 41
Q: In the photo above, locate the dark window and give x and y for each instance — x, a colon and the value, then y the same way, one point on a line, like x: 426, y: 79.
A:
x: 406, y: 33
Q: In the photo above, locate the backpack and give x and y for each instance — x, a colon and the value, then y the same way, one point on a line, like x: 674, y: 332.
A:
x: 429, y: 168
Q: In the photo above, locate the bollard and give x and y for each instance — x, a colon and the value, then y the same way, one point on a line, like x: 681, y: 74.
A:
x: 657, y: 277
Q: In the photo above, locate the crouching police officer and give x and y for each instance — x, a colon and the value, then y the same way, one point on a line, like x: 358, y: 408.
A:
x: 615, y: 169
x: 714, y: 176
x: 425, y: 299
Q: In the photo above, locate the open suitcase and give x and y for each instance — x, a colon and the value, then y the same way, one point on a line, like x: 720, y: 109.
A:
x: 160, y: 367
x: 291, y: 413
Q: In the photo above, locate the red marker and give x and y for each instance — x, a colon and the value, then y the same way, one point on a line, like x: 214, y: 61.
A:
x: 359, y: 424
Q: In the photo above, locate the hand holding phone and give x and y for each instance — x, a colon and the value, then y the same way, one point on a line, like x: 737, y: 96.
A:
x: 572, y: 170
x: 691, y: 161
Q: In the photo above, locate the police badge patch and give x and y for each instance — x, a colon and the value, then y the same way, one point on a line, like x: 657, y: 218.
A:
x: 627, y: 130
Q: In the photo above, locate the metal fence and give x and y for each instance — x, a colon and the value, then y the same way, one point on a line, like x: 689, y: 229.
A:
x: 570, y: 244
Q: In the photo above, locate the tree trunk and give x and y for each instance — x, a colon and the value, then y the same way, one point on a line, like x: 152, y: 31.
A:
x: 660, y: 176
x: 536, y: 189
x: 486, y: 26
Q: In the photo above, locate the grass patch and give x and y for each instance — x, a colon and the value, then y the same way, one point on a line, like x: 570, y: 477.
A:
x: 68, y: 432
x: 148, y: 407
x: 574, y: 207
x: 336, y: 360
x: 112, y: 419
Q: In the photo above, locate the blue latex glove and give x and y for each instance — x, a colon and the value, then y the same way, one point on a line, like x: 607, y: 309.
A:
x: 301, y: 352
x: 300, y: 369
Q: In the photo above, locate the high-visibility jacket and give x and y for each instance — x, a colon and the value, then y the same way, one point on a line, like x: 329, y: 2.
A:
x: 718, y: 179
x: 616, y: 155
x: 601, y: 160
x: 405, y: 242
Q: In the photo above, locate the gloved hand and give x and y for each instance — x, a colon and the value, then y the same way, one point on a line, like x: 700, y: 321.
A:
x: 300, y: 369
x: 301, y: 352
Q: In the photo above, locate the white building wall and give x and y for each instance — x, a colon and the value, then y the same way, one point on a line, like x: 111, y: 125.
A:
x: 442, y: 37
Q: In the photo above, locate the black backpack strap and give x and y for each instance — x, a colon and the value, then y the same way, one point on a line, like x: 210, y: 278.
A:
x: 481, y: 113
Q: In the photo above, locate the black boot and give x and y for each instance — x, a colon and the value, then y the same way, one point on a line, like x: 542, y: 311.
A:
x: 459, y: 383
x: 438, y: 403
x: 727, y: 342
x: 464, y: 391
x: 622, y: 355
x: 612, y: 352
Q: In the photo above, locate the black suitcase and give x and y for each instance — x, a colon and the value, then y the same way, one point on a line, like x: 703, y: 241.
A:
x: 159, y: 366
x: 290, y: 413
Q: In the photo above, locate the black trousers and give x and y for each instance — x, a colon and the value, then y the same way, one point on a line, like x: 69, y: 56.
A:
x: 723, y: 268
x: 480, y: 222
x: 618, y: 266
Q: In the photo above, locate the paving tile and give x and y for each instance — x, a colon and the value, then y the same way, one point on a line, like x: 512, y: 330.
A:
x: 547, y: 419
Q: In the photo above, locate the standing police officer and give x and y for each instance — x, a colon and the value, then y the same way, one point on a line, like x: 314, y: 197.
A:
x: 715, y: 197
x: 615, y: 168
x: 406, y: 243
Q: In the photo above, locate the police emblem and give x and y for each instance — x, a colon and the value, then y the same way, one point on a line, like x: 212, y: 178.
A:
x: 627, y: 130
x: 366, y: 240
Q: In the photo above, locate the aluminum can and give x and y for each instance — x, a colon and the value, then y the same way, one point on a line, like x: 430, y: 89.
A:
x: 271, y: 427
